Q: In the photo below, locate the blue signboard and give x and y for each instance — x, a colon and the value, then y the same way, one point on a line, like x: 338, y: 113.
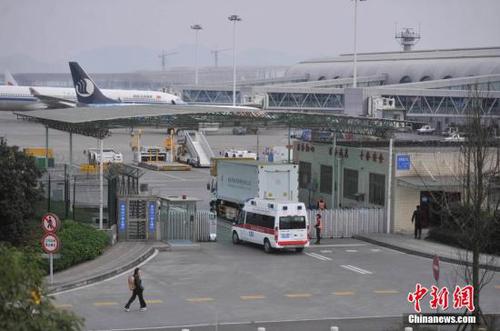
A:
x: 152, y: 215
x: 403, y: 162
x: 122, y: 209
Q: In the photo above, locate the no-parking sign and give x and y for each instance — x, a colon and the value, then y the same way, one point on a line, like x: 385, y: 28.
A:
x: 50, y: 243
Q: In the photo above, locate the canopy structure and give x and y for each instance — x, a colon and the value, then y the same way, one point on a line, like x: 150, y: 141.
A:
x: 97, y: 121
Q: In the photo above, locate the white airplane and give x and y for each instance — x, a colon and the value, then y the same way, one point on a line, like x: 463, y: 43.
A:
x: 41, y: 97
x: 89, y: 94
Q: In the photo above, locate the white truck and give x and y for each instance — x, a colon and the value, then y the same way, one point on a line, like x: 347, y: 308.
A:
x: 236, y: 181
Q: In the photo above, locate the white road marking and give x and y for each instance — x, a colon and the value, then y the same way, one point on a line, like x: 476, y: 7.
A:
x: 323, y: 251
x: 319, y: 257
x: 339, y: 245
x: 351, y: 250
x: 356, y: 269
x: 375, y: 250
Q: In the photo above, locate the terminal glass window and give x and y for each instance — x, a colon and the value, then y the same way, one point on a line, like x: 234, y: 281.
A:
x: 265, y: 221
x: 377, y: 189
x: 350, y: 183
x: 325, y: 185
x: 292, y: 222
x: 304, y: 174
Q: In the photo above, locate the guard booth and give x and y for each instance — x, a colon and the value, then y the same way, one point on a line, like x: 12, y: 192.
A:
x: 180, y: 220
x: 138, y: 218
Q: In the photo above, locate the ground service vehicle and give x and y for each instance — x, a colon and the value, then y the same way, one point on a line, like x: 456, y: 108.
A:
x: 273, y: 224
x: 455, y: 137
x: 109, y: 156
x: 236, y: 181
x: 426, y: 129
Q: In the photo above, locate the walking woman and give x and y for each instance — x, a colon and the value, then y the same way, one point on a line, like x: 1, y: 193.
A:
x: 135, y: 285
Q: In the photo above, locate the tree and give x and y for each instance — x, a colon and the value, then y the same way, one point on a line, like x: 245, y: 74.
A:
x: 18, y: 192
x: 24, y: 304
x: 474, y: 218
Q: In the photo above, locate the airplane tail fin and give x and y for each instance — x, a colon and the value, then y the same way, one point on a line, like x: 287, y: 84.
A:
x: 9, y: 80
x: 86, y: 90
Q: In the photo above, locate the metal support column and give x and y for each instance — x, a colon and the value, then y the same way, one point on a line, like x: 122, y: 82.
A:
x: 389, y: 187
x: 47, y: 149
x: 70, y: 172
x: 332, y: 204
x: 288, y: 146
x: 101, y: 180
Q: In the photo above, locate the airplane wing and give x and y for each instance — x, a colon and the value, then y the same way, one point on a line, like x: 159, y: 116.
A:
x: 53, y: 102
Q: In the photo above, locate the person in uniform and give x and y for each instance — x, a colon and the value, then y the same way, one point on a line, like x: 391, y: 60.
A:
x: 318, y: 226
x: 417, y: 219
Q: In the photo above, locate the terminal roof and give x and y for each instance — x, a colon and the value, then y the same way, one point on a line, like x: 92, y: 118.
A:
x: 97, y: 121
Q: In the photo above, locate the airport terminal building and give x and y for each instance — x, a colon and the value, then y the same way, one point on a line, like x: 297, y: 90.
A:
x: 431, y: 86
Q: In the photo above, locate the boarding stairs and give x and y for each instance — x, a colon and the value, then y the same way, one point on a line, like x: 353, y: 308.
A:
x: 197, y: 145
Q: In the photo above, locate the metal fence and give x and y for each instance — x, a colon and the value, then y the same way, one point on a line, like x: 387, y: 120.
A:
x: 340, y: 223
x: 181, y: 225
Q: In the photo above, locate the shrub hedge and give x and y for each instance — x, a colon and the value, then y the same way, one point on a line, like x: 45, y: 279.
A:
x: 79, y: 243
x: 451, y: 237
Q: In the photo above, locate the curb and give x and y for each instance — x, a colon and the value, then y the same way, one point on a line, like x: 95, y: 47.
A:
x: 423, y: 254
x: 109, y: 274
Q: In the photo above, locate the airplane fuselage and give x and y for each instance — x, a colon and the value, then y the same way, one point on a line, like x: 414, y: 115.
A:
x: 20, y: 97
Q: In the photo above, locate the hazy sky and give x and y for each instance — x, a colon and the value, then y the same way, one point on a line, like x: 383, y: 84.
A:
x: 59, y: 30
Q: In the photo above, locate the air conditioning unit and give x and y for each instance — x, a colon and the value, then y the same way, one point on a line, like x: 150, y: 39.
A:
x: 359, y: 196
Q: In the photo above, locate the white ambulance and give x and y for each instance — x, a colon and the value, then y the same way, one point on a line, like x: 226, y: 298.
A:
x: 274, y: 224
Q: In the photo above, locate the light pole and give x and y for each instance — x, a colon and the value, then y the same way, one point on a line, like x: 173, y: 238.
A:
x: 234, y: 19
x: 196, y: 28
x: 355, y: 69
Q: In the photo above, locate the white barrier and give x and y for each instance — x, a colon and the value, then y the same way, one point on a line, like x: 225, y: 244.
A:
x: 344, y: 223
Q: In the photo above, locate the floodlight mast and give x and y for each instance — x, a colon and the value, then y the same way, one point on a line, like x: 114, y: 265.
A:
x: 196, y: 28
x: 355, y: 57
x: 234, y: 18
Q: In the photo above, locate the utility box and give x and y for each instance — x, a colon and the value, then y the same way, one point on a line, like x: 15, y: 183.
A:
x: 40, y: 155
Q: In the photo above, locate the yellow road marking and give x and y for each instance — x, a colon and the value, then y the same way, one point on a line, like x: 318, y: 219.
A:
x: 344, y: 293
x: 299, y: 295
x: 154, y: 301
x: 386, y: 291
x: 200, y: 299
x: 252, y: 297
x: 108, y: 303
x: 64, y: 306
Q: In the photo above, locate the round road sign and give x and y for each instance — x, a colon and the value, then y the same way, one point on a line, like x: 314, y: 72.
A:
x: 50, y: 222
x: 435, y: 267
x: 50, y: 243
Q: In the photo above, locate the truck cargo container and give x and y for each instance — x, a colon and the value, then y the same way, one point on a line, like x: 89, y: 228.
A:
x: 240, y: 180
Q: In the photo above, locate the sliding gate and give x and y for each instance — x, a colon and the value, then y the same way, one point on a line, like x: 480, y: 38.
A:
x: 182, y: 225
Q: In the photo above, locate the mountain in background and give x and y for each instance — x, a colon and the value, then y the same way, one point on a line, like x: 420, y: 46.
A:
x: 119, y: 59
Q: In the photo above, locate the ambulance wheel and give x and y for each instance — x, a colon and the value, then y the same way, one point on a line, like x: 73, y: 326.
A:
x: 236, y: 238
x: 299, y: 249
x: 267, y: 246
